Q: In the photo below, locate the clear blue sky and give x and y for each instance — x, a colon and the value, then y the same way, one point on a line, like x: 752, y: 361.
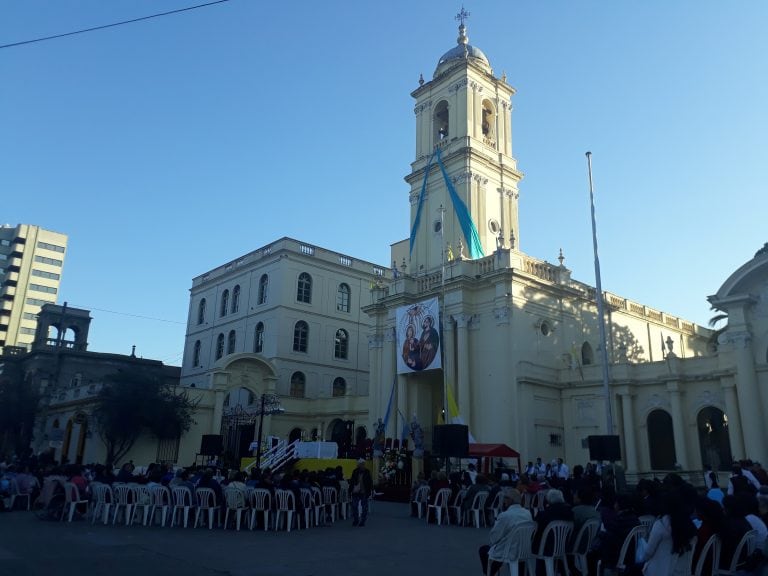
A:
x: 168, y: 147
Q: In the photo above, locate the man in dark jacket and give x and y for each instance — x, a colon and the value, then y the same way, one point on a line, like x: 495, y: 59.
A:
x: 361, y: 487
x: 555, y: 509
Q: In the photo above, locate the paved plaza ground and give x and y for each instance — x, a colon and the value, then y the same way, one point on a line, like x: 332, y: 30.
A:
x: 391, y: 544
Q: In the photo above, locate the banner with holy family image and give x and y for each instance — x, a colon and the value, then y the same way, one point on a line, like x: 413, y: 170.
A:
x: 418, y: 337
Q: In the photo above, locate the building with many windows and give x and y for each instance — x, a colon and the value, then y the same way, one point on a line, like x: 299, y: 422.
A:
x: 283, y: 319
x: 31, y: 263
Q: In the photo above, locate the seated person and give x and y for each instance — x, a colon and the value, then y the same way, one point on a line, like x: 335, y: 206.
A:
x: 512, y: 515
x: 613, y: 531
x: 555, y: 508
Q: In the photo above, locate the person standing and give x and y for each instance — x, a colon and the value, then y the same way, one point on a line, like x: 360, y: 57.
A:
x: 362, y: 487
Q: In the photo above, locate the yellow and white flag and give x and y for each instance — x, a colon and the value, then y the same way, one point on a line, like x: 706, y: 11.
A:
x: 453, y: 413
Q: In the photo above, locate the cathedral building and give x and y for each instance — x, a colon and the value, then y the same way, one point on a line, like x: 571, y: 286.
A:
x: 521, y: 356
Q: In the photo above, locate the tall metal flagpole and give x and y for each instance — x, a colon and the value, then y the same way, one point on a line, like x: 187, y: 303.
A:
x: 600, y: 307
x: 442, y: 311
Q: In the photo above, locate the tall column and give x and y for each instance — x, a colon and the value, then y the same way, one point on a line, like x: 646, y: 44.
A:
x: 630, y: 443
x: 375, y: 345
x: 750, y: 404
x: 462, y: 343
x: 678, y: 424
x: 449, y: 360
x: 387, y: 378
x: 218, y: 411
x: 735, y: 432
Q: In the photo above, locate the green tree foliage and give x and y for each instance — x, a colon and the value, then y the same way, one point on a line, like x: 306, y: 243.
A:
x: 132, y: 403
x: 18, y: 407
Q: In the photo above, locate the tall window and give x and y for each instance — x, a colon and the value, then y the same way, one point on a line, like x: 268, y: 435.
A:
x: 263, y: 285
x: 235, y: 298
x: 300, y: 336
x: 201, y: 311
x: 342, y: 298
x: 258, y: 342
x: 219, y: 346
x: 231, y: 340
x: 587, y: 355
x: 304, y: 288
x: 339, y: 387
x: 298, y: 385
x: 224, y: 303
x: 341, y: 347
x: 196, y: 354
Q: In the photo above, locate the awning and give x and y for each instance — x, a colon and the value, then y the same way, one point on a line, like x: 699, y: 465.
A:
x: 492, y: 451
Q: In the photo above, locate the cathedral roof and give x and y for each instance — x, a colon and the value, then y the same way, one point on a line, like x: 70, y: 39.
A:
x: 462, y: 51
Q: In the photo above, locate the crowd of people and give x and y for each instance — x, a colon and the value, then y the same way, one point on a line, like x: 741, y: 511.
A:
x: 28, y: 479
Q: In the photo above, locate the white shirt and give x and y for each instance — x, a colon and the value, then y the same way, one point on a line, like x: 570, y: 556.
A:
x: 563, y: 471
x: 501, y: 532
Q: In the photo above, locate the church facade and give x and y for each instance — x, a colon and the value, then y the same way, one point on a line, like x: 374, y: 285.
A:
x: 521, y: 352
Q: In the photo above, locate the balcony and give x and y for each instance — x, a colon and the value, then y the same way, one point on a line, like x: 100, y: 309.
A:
x: 6, y: 305
x: 12, y: 277
x: 8, y: 292
x: 14, y: 264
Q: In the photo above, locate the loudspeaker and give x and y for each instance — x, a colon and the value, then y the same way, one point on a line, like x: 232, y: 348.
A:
x: 450, y: 440
x: 605, y: 448
x: 211, y: 445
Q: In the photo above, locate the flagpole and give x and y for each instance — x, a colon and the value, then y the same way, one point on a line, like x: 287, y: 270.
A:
x: 442, y: 313
x: 600, y: 307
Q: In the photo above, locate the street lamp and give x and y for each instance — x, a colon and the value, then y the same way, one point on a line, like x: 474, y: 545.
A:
x: 268, y: 404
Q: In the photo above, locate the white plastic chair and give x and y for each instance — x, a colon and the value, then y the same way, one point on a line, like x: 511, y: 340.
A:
x: 206, y: 502
x: 71, y: 500
x: 495, y: 506
x: 261, y: 502
x: 421, y: 500
x: 306, y: 503
x: 456, y: 506
x: 477, y: 510
x: 582, y: 543
x: 537, y: 505
x: 745, y: 548
x: 16, y: 494
x: 236, y: 504
x: 441, y: 505
x: 182, y: 504
x: 521, y: 541
x: 123, y: 501
x: 647, y: 520
x: 331, y: 501
x: 286, y: 506
x: 629, y: 542
x: 317, y: 506
x: 710, y: 550
x: 161, y: 500
x: 142, y: 501
x: 101, y: 499
x: 559, y: 531
x: 345, y: 502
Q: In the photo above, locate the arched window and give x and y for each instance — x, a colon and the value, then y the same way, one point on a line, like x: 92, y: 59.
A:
x: 304, y: 288
x: 298, y: 385
x: 440, y: 121
x: 263, y: 285
x: 258, y: 341
x: 201, y: 311
x: 713, y: 438
x: 341, y: 347
x: 342, y: 298
x: 219, y: 346
x: 339, y: 387
x: 661, y: 440
x: 231, y: 340
x: 295, y: 434
x: 224, y: 302
x: 196, y: 354
x: 587, y: 355
x: 300, y: 336
x: 235, y: 298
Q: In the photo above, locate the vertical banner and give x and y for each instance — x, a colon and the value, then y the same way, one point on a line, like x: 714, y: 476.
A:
x: 418, y: 337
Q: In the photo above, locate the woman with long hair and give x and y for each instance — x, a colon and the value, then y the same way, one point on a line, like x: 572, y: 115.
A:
x: 670, y: 544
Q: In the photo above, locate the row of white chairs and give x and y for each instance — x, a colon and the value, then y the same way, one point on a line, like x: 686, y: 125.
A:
x: 134, y: 503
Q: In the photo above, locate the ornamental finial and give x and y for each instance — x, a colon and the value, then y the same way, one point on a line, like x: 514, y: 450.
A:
x: 460, y: 17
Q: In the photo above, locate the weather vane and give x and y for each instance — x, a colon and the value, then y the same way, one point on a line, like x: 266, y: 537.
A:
x: 463, y: 15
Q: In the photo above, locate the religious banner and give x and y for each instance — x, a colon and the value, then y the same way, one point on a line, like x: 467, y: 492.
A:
x: 418, y: 337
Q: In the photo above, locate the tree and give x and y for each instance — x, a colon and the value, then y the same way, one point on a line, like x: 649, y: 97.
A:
x: 714, y: 338
x: 132, y: 403
x: 18, y: 408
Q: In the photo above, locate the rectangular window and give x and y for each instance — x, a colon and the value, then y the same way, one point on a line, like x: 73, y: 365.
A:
x: 29, y: 316
x: 39, y: 288
x: 29, y: 331
x: 38, y: 302
x: 51, y: 247
x: 168, y: 450
x: 44, y: 274
x: 46, y: 260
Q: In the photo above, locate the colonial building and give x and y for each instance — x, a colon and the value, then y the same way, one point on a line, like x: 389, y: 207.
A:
x: 68, y: 378
x: 31, y: 261
x: 521, y: 350
x: 284, y: 319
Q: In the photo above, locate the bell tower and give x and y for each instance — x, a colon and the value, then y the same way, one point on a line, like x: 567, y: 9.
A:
x: 464, y: 180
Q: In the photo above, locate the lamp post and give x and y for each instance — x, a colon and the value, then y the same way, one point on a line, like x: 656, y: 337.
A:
x: 268, y: 404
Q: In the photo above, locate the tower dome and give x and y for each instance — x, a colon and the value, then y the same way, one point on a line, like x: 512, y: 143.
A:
x: 462, y: 51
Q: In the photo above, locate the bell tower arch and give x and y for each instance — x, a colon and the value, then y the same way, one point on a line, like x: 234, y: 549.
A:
x: 464, y: 161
